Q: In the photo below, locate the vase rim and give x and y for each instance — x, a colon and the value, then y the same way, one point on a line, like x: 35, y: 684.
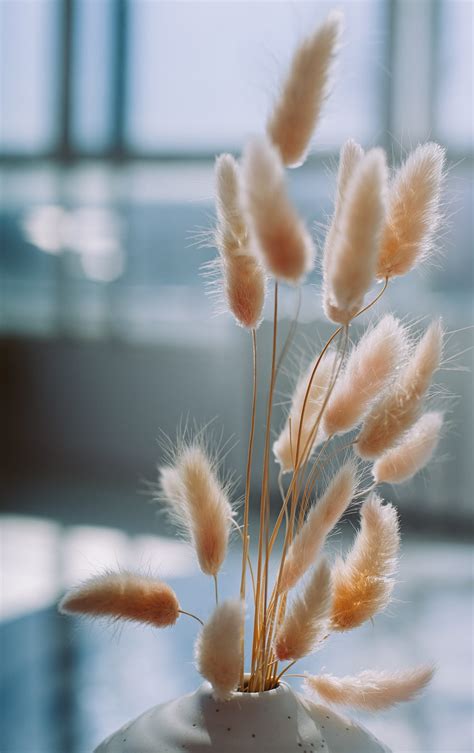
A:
x: 237, y: 695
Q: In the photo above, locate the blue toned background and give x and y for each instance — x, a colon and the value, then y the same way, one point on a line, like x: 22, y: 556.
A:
x: 110, y: 114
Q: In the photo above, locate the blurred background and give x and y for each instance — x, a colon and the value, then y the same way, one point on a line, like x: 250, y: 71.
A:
x: 111, y: 114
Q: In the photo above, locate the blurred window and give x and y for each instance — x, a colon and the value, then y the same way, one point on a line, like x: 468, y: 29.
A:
x: 151, y: 90
x: 29, y: 75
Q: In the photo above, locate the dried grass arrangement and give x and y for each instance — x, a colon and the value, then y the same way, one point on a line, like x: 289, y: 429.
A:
x: 374, y: 391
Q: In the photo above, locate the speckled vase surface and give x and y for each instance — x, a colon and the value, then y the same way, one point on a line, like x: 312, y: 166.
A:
x: 277, y: 721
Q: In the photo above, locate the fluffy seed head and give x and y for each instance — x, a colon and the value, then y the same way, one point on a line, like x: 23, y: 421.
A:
x: 349, y: 157
x: 414, y: 451
x: 285, y: 446
x: 370, y: 368
x: 303, y: 92
x: 398, y: 410
x: 218, y: 648
x: 322, y: 518
x: 363, y: 582
x: 286, y: 246
x: 199, y: 504
x: 306, y: 622
x: 351, y: 257
x: 124, y: 596
x: 230, y: 212
x: 413, y: 211
x: 242, y: 275
x: 371, y: 690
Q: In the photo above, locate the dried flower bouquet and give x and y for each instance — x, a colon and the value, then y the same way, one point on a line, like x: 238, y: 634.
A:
x: 384, y: 224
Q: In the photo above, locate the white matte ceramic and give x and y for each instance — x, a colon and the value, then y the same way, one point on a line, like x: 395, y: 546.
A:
x: 277, y: 721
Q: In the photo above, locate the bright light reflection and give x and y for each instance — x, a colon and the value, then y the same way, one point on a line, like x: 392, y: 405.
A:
x: 167, y: 558
x: 30, y: 566
x: 93, y: 233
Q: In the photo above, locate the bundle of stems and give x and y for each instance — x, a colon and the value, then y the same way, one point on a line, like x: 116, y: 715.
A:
x: 373, y: 390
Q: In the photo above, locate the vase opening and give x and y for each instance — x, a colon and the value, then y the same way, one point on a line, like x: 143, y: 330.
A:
x: 244, y: 689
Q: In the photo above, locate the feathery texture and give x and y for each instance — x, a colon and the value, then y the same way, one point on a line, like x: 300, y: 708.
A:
x: 352, y: 254
x: 286, y: 246
x: 413, y: 211
x: 243, y: 278
x: 303, y: 92
x: 321, y: 519
x: 230, y: 212
x: 306, y: 621
x: 371, y: 690
x: 124, y: 596
x: 398, y: 410
x: 218, y: 648
x: 363, y: 582
x: 371, y: 366
x: 285, y: 446
x: 349, y: 157
x: 414, y: 451
x: 199, y: 504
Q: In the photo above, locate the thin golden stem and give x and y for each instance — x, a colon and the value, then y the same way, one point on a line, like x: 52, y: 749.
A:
x: 190, y: 614
x: 216, y: 589
x: 248, y: 477
x: 260, y: 609
x: 285, y: 670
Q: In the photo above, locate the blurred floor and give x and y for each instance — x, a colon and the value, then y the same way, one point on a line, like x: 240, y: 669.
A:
x: 67, y: 684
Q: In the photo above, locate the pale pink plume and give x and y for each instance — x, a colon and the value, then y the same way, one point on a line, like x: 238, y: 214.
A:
x: 413, y: 452
x: 286, y: 246
x: 124, y: 596
x: 286, y: 445
x: 199, y: 503
x: 351, y: 257
x: 243, y: 278
x: 363, y: 582
x: 218, y: 648
x: 370, y: 367
x: 322, y: 518
x: 413, y: 215
x: 306, y: 621
x: 371, y: 690
x: 398, y: 410
x: 303, y: 92
x: 349, y: 157
x: 230, y: 211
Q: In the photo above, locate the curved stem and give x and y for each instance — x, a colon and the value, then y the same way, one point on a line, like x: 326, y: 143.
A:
x: 190, y: 614
x: 216, y: 589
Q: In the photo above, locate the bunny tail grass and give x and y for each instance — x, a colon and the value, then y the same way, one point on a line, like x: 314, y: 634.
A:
x: 307, y: 619
x: 218, y: 649
x: 199, y: 503
x: 371, y: 690
x: 243, y: 278
x: 398, y: 410
x: 230, y: 212
x: 303, y: 92
x: 124, y: 596
x: 363, y: 582
x: 370, y: 367
x: 284, y: 447
x: 321, y: 519
x: 413, y: 215
x: 286, y: 247
x: 349, y: 157
x: 414, y: 451
x: 350, y: 260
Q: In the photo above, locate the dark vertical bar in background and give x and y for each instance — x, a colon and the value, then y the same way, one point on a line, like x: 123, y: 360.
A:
x: 65, y: 73
x: 390, y: 52
x: 119, y: 75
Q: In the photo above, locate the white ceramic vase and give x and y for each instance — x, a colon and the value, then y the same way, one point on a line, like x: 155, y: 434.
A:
x: 277, y: 721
